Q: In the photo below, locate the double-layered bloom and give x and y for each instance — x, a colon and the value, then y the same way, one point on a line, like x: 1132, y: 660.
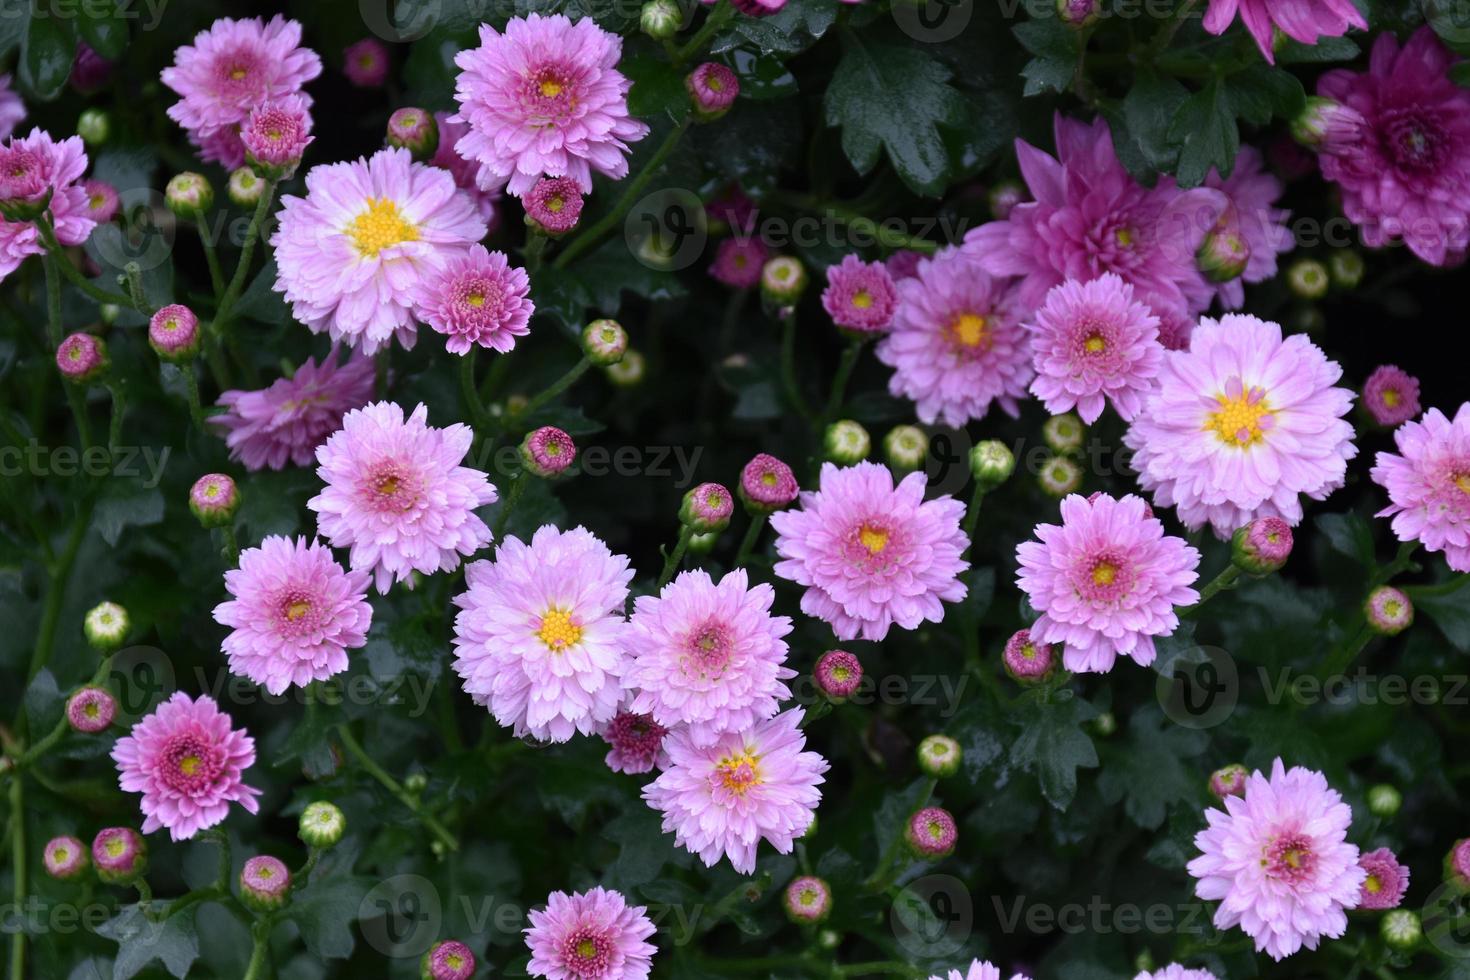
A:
x: 545, y: 97
x: 288, y: 420
x: 464, y: 171
x: 30, y: 167
x: 591, y: 935
x: 1089, y: 216
x: 636, y: 743
x: 1428, y: 484
x: 1106, y: 581
x: 1176, y: 972
x: 539, y: 638
x: 1385, y: 882
x: 1301, y: 20
x: 860, y: 296
x: 188, y: 763
x: 1278, y: 861
x: 478, y: 298
x: 978, y: 970
x: 1252, y: 214
x: 708, y: 655
x: 352, y: 254
x: 872, y: 554
x: 1407, y: 175
x: 956, y: 345
x: 396, y: 495
x: 229, y: 70
x: 1241, y: 425
x: 723, y: 798
x: 294, y: 615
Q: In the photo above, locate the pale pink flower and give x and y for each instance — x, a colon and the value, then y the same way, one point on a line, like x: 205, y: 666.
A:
x: 30, y: 166
x: 288, y: 420
x: 1176, y: 972
x: 477, y: 298
x: 591, y: 935
x: 977, y: 970
x: 446, y: 157
x: 860, y: 295
x: 1428, y: 484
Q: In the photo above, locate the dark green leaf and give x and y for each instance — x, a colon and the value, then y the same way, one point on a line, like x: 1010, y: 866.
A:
x: 46, y: 54
x: 1149, y: 773
x: 1053, y: 745
x: 325, y: 910
x: 1450, y: 612
x: 172, y: 942
x: 1204, y: 128
x: 104, y: 28
x: 1325, y: 49
x: 124, y: 504
x: 794, y: 28
x: 1055, y: 48
x: 1260, y: 93
x: 658, y: 87
x: 762, y: 76
x: 1349, y: 534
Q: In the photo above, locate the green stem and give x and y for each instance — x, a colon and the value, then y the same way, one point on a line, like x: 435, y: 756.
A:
x: 260, y: 935
x: 889, y: 867
x: 535, y: 249
x: 517, y: 487
x: 72, y: 273
x: 1171, y: 26
x: 788, y: 365
x: 74, y: 399
x: 231, y: 550
x: 216, y: 274
x: 191, y: 395
x: 18, y: 884
x: 609, y: 221
x: 114, y: 423
x: 888, y: 238
x: 1449, y: 585
x: 60, y: 574
x: 1343, y: 655
x: 469, y: 390
x: 839, y: 381
x: 354, y: 749
x: 671, y: 563
x: 1227, y: 579
x: 38, y: 749
x: 752, y: 535
x: 247, y: 252
x: 972, y: 516
x: 1401, y: 561
x: 718, y: 18
x: 556, y: 388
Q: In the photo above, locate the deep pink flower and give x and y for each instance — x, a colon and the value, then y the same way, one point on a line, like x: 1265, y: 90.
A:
x: 1428, y: 484
x: 289, y: 419
x: 464, y: 171
x: 554, y: 204
x: 1386, y: 880
x: 365, y: 63
x: 738, y: 261
x: 591, y: 935
x: 102, y: 200
x: 187, y: 762
x: 767, y: 484
x: 1253, y: 215
x: 860, y: 295
x: 29, y: 167
x: 12, y: 109
x: 713, y: 88
x: 277, y: 133
x: 636, y: 743
x: 89, y: 70
x: 1302, y: 20
x: 477, y: 298
x: 1391, y: 395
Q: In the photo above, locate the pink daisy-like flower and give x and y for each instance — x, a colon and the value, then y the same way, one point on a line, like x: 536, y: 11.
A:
x: 12, y: 109
x: 956, y: 344
x: 1252, y: 214
x: 1089, y: 216
x: 721, y: 799
x: 396, y: 495
x: 1386, y: 880
x: 738, y: 262
x: 1106, y: 581
x: 636, y: 741
x: 539, y: 640
x: 707, y: 654
x: 1408, y: 176
x: 872, y: 554
x: 365, y: 63
x: 545, y: 97
x: 277, y: 133
x: 591, y: 935
x: 977, y: 970
x: 29, y: 167
x: 478, y: 298
x: 554, y: 204
x: 1428, y: 484
x: 294, y: 615
x: 1391, y: 395
x: 1301, y: 20
x: 1278, y: 861
x: 860, y: 295
x: 1093, y: 343
x: 446, y: 157
x: 102, y: 200
x: 1241, y: 425
x: 187, y: 762
x: 288, y: 420
x: 351, y: 254
x: 230, y: 69
x: 1176, y: 972
x: 767, y: 484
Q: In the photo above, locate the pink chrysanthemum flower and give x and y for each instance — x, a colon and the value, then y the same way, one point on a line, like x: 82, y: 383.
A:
x: 102, y: 200
x: 872, y: 554
x: 554, y: 204
x: 1252, y: 214
x: 956, y: 345
x: 707, y: 654
x: 903, y: 264
x: 591, y: 935
x: 1093, y: 343
x: 446, y: 157
x: 1089, y: 216
x: 860, y: 295
x: 29, y: 167
x: 636, y: 743
x: 545, y: 97
x: 277, y: 133
x: 1278, y: 861
x: 230, y: 69
x: 294, y: 615
x: 540, y: 638
x: 396, y: 495
x: 1409, y: 175
x: 1241, y: 425
x: 1176, y: 972
x: 478, y: 298
x: 1391, y: 395
x: 12, y: 109
x: 1106, y: 581
x: 738, y: 262
x: 288, y: 420
x: 365, y: 63
x: 352, y: 253
x: 187, y: 762
x: 1428, y: 484
x: 1386, y: 880
x: 977, y: 970
x: 721, y: 799
x: 1302, y: 20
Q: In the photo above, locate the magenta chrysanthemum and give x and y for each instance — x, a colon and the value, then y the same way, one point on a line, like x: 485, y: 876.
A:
x: 288, y: 420
x: 956, y: 345
x: 1428, y: 484
x: 102, y: 200
x: 545, y: 97
x: 1242, y: 424
x: 230, y: 69
x: 1391, y: 395
x: 738, y: 262
x: 860, y: 295
x: 1089, y: 216
x: 1301, y: 20
x: 872, y: 554
x: 721, y: 799
x: 636, y: 743
x: 591, y: 935
x: 29, y: 167
x: 1093, y: 343
x: 478, y: 298
x: 1252, y: 215
x: 277, y: 133
x: 1176, y: 972
x: 294, y: 615
x: 12, y: 109
x: 1106, y: 581
x: 708, y: 655
x: 446, y: 157
x: 1408, y: 176
x: 554, y: 204
x: 352, y: 253
x: 187, y: 762
x: 539, y: 640
x: 396, y: 495
x: 365, y: 63
x: 1386, y: 880
x: 1278, y: 861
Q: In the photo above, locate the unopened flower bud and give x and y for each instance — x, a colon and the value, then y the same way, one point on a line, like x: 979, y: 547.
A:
x: 1060, y: 476
x: 120, y: 855
x: 265, y: 883
x: 65, y: 857
x: 906, y: 447
x: 82, y: 359
x: 1384, y: 800
x: 838, y: 675
x: 1079, y: 13
x: 1229, y: 780
x: 703, y: 544
x: 604, y: 342
x: 630, y: 371
x: 553, y: 205
x: 707, y: 508
x: 1401, y: 929
x: 414, y: 130
x: 1105, y: 724
x: 1307, y: 278
x: 660, y: 19
x: 939, y: 756
x: 712, y: 89
x: 783, y: 280
x: 767, y: 485
x: 365, y: 63
x: 1262, y: 546
x: 213, y: 499
x: 991, y: 463
x: 1063, y: 433
x: 808, y: 900
x: 1224, y: 253
x: 1026, y: 660
x: 1003, y: 197
x: 189, y: 195
x: 94, y: 126
x: 1325, y: 124
x: 245, y: 188
x: 548, y: 452
x: 931, y: 832
x: 173, y: 333
x: 106, y: 627
x: 91, y: 710
x: 846, y: 442
x: 448, y: 959
x: 321, y: 825
x: 1389, y: 611
x: 1346, y: 268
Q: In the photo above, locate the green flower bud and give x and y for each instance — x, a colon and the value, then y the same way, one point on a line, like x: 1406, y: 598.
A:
x: 245, y: 188
x: 1346, y: 268
x: 940, y: 756
x: 991, y: 463
x: 1060, y: 476
x: 1063, y: 433
x: 846, y: 442
x: 189, y: 195
x: 604, y: 342
x: 1401, y: 929
x: 630, y: 371
x: 660, y: 19
x: 1384, y: 800
x: 322, y: 824
x: 106, y: 627
x: 1307, y: 278
x: 94, y: 126
x: 906, y: 446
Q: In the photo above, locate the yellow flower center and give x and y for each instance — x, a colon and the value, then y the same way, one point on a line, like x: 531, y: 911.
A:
x: 1373, y: 885
x: 551, y: 88
x: 558, y: 631
x: 971, y: 330
x: 238, y: 73
x: 1462, y: 480
x: 189, y: 765
x: 1095, y: 344
x: 1391, y: 397
x: 1293, y: 857
x: 387, y: 485
x: 60, y: 854
x: 380, y: 227
x: 1237, y: 422
x: 265, y: 872
x: 298, y: 609
x: 873, y: 538
x: 555, y: 203
x: 586, y: 949
x: 115, y: 847
x: 862, y: 299
x: 454, y: 961
x: 1124, y: 237
x: 1105, y: 573
x: 476, y: 300
x: 738, y: 773
x: 91, y: 710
